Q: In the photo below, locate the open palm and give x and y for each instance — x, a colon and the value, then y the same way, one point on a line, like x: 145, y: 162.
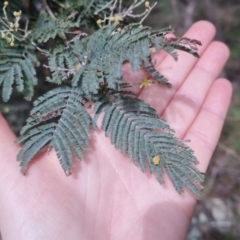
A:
x: 107, y: 196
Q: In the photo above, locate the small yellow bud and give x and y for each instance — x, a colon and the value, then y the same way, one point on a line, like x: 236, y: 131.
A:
x: 17, y: 14
x: 11, y: 25
x: 12, y: 44
x: 112, y: 19
x: 153, y: 50
x: 6, y: 110
x: 77, y: 66
x: 6, y: 3
x: 3, y: 35
x: 146, y: 82
x: 147, y: 4
x: 118, y: 18
x: 156, y: 160
x: 16, y: 25
x: 99, y: 21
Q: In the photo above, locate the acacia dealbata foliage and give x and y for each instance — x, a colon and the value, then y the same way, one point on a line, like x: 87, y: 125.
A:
x: 86, y: 70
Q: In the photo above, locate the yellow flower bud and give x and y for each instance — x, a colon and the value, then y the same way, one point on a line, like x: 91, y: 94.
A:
x: 3, y: 35
x: 17, y: 14
x: 118, y: 18
x: 99, y: 21
x: 147, y: 4
x: 12, y: 44
x: 16, y: 25
x: 11, y: 25
x: 112, y: 19
x: 77, y: 66
x: 146, y: 82
x: 6, y: 3
x: 156, y: 160
x: 6, y: 110
x: 153, y: 50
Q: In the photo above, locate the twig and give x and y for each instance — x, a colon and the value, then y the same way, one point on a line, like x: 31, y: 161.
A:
x: 149, y: 10
x: 112, y: 8
x: 60, y: 4
x: 58, y: 68
x: 104, y: 7
x: 133, y: 6
x: 120, y: 6
x: 48, y: 9
x: 38, y: 48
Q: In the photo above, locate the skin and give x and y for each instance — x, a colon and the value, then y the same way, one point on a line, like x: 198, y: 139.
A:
x: 107, y: 196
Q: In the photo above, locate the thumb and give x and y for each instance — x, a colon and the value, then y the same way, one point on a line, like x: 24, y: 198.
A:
x: 8, y: 153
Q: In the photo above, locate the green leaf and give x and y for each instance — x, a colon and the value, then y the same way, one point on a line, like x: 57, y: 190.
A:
x: 47, y: 28
x: 112, y: 46
x: 60, y: 119
x: 136, y: 129
x: 64, y: 62
x: 17, y: 65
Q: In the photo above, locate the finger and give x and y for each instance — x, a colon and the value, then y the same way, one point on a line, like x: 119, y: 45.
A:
x: 176, y: 72
x: 8, y: 151
x: 205, y: 130
x: 184, y: 106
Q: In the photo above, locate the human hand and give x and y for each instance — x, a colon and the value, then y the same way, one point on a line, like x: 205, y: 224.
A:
x: 107, y: 196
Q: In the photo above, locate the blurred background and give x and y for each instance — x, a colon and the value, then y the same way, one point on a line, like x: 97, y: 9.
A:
x: 217, y: 216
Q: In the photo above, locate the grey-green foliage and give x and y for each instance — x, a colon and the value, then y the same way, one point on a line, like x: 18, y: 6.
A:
x: 101, y: 58
x: 73, y: 14
x: 106, y: 51
x: 136, y: 129
x: 112, y: 46
x: 17, y: 66
x: 87, y: 8
x: 89, y: 70
x: 64, y: 61
x: 47, y: 28
x: 60, y: 119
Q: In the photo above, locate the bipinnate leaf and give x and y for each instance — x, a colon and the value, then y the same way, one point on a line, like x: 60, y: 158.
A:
x: 112, y: 46
x: 47, y: 28
x: 65, y: 61
x: 17, y: 66
x: 92, y: 66
x: 136, y: 129
x: 58, y: 119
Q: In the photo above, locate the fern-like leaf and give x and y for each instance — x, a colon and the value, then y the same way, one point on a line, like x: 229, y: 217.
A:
x: 110, y: 47
x: 17, y: 65
x: 136, y: 129
x: 65, y: 61
x: 59, y: 119
x: 47, y: 28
